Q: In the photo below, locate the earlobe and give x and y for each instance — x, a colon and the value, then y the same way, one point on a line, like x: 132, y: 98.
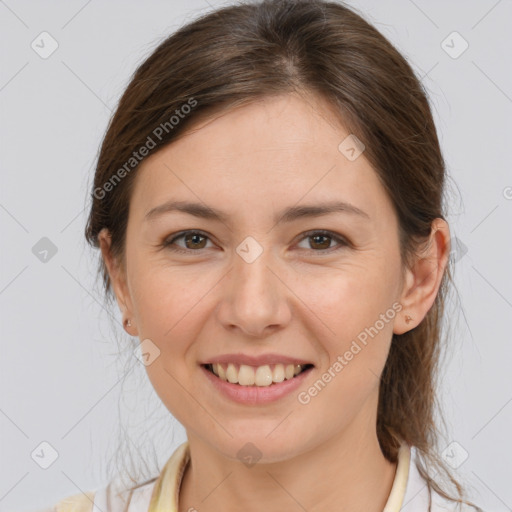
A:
x: 404, y: 321
x: 423, y: 279
x: 117, y: 279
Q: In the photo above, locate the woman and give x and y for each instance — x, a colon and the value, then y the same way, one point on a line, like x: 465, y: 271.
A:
x: 268, y: 205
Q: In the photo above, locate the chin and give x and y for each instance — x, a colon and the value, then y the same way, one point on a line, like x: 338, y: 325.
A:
x: 257, y: 447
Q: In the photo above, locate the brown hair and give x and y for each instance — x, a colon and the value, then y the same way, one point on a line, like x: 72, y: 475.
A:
x: 237, y: 54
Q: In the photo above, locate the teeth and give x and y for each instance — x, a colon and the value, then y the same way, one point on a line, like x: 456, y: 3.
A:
x: 222, y: 372
x: 232, y: 374
x: 246, y: 376
x: 278, y: 373
x: 265, y: 375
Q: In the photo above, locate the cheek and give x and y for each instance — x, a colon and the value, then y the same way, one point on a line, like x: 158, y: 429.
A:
x: 165, y: 298
x: 355, y: 339
x: 170, y: 313
x: 349, y: 299
x: 354, y: 314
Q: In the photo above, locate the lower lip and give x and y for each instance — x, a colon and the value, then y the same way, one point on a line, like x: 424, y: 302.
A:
x: 256, y: 394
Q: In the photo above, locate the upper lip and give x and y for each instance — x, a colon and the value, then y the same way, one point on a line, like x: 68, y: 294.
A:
x: 260, y: 360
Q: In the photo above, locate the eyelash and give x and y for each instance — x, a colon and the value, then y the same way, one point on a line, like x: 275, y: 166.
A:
x: 342, y: 242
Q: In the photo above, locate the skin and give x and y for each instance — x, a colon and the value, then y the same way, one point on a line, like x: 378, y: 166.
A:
x: 297, y: 298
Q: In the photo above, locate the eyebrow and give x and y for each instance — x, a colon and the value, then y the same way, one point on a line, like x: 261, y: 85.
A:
x: 287, y: 215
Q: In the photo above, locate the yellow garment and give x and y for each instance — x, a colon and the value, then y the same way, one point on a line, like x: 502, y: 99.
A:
x: 396, y: 496
x: 76, y: 503
x: 166, y: 490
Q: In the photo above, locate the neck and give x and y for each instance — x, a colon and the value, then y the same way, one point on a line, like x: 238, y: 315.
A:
x: 346, y: 473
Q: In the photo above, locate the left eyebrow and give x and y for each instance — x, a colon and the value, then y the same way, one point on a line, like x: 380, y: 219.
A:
x: 289, y: 214
x: 298, y: 212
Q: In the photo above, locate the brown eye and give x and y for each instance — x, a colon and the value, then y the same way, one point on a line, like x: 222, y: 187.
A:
x: 194, y: 242
x: 320, y: 241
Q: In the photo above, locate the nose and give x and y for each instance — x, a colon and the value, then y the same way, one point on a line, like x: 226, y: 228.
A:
x: 254, y: 298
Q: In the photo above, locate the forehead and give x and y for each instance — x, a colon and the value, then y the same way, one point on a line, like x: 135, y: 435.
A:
x: 276, y: 124
x: 273, y: 151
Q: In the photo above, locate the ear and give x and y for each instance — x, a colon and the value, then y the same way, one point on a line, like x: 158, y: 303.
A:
x: 423, y: 279
x: 117, y: 276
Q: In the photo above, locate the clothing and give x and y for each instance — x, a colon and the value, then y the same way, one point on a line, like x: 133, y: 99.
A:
x: 409, y: 491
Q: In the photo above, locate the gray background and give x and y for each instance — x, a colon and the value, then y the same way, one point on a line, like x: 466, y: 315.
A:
x: 61, y: 375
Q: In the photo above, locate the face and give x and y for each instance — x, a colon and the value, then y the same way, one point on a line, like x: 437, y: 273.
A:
x: 256, y: 282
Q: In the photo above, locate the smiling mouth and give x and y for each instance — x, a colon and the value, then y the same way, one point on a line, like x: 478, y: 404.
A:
x: 256, y: 376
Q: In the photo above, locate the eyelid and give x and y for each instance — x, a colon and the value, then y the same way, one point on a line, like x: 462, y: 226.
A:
x: 173, y: 237
x: 342, y: 241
